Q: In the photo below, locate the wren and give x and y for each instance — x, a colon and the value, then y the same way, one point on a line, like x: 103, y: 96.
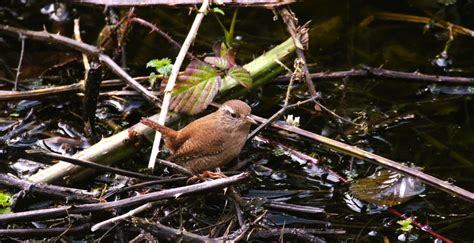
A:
x: 210, y: 141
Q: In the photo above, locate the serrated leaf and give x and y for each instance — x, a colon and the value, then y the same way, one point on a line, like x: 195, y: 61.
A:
x: 239, y: 74
x: 158, y: 63
x: 195, y: 88
x: 386, y: 188
x: 219, y: 62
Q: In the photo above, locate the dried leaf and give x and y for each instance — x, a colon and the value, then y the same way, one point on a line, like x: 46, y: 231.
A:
x: 386, y: 188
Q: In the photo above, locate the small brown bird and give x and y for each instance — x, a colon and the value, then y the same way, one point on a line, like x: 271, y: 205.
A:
x: 210, y: 141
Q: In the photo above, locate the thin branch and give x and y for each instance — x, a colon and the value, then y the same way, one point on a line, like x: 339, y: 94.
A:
x: 60, y: 212
x: 89, y: 164
x: 122, y: 217
x: 77, y: 36
x: 85, y: 48
x: 367, y: 72
x: 299, y: 34
x: 69, y: 194
x: 18, y: 69
x: 172, y: 80
x: 277, y: 115
x: 377, y: 159
x: 163, y: 34
x: 240, y: 3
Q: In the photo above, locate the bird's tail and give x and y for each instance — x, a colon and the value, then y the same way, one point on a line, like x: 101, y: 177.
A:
x: 165, y: 131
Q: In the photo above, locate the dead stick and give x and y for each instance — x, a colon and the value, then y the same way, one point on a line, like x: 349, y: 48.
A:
x: 85, y: 48
x: 173, y: 76
x: 367, y: 71
x: 60, y: 212
x: 377, y: 159
x: 297, y: 34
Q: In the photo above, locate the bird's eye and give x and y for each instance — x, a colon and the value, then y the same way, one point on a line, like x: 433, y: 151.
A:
x: 234, y: 115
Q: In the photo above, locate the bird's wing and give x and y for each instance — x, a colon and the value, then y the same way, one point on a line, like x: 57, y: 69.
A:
x: 197, y: 141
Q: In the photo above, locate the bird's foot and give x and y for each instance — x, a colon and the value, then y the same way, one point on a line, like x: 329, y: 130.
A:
x: 206, y: 175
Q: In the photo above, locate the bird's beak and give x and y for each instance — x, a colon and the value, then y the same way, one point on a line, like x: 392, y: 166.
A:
x: 250, y: 119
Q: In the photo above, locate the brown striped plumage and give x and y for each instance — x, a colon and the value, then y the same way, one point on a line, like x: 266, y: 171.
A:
x: 210, y: 141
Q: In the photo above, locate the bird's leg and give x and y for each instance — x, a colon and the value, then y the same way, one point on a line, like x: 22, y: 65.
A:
x: 213, y: 175
x: 206, y: 175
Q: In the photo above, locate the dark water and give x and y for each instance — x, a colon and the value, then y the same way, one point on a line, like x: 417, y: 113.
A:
x: 429, y: 126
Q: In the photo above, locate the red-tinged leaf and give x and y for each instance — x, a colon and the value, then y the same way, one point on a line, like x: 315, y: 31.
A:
x: 240, y: 75
x: 195, y: 88
x: 219, y: 62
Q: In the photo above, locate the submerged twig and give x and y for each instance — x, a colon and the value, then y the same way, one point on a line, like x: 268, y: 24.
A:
x: 172, y: 79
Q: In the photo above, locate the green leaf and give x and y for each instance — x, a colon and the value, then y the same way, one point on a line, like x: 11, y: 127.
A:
x: 239, y: 74
x: 405, y: 225
x: 152, y: 79
x: 219, y: 62
x: 5, y: 202
x: 158, y: 63
x: 5, y: 199
x: 218, y: 10
x: 163, y: 66
x: 195, y: 88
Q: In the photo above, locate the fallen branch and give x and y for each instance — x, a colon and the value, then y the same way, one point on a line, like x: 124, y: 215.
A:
x: 128, y: 202
x: 367, y: 72
x: 128, y: 3
x: 69, y: 194
x: 377, y: 159
x: 89, y: 164
x: 84, y: 48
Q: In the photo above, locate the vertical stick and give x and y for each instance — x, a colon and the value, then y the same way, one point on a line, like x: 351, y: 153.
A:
x: 172, y: 80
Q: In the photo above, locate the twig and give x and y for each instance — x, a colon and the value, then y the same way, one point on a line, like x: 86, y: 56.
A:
x: 45, y: 232
x: 18, y: 69
x: 85, y: 48
x: 276, y: 115
x: 417, y: 19
x: 420, y: 226
x: 169, y: 234
x: 122, y: 217
x: 242, y: 3
x: 128, y: 202
x: 89, y: 164
x: 69, y: 194
x: 163, y: 34
x: 176, y: 167
x: 367, y: 71
x: 172, y: 80
x: 77, y: 36
x: 377, y: 159
x: 41, y: 93
x: 299, y: 34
